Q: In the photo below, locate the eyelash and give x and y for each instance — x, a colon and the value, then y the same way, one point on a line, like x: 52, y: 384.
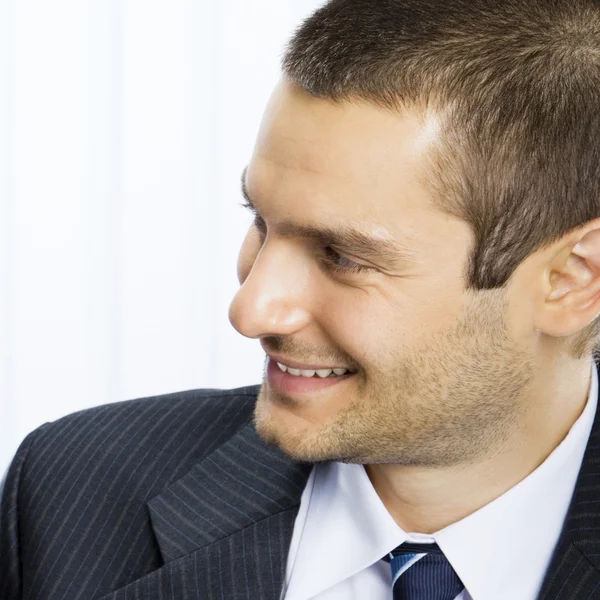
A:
x: 345, y: 265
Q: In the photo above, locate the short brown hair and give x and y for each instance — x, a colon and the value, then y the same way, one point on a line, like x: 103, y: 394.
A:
x: 517, y: 83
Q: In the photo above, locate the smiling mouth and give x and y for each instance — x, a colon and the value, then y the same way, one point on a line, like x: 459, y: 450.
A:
x: 308, y: 373
x: 300, y: 381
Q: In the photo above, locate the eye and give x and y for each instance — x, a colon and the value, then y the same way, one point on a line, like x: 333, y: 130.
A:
x: 331, y: 259
x: 338, y: 263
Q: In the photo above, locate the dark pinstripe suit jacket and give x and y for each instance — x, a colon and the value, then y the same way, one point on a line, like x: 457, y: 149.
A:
x: 176, y: 497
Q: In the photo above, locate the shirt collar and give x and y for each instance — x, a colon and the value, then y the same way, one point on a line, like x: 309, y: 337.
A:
x: 348, y: 528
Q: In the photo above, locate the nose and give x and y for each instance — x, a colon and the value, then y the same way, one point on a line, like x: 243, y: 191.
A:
x: 274, y: 297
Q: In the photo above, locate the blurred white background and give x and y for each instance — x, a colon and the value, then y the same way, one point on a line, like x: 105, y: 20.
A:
x: 124, y: 128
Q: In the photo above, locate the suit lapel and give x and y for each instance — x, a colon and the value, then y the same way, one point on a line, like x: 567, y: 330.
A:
x: 248, y: 565
x: 574, y: 571
x: 224, y: 529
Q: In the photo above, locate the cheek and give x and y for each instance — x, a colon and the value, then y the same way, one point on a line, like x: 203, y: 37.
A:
x: 248, y: 253
x: 364, y: 326
x: 378, y: 327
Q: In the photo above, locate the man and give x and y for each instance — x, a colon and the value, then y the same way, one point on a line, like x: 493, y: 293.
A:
x: 423, y: 274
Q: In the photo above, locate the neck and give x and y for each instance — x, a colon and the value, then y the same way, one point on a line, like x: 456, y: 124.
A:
x: 428, y: 499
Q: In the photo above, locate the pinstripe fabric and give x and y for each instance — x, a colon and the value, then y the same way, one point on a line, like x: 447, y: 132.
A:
x: 176, y: 497
x: 247, y: 479
x: 80, y: 489
x: 244, y: 565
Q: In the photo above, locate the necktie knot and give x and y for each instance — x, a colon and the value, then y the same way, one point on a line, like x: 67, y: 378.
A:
x: 414, y: 548
x: 422, y: 572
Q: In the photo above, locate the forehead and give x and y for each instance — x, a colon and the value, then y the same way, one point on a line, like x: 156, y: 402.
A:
x: 352, y: 157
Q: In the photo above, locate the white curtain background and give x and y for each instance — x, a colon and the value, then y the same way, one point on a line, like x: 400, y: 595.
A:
x: 124, y: 128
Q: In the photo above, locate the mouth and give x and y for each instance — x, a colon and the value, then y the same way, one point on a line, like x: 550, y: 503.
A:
x: 295, y: 381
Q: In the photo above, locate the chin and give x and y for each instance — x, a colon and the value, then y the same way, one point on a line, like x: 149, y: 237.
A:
x: 297, y: 445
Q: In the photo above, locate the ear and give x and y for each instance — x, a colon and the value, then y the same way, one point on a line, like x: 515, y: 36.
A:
x: 573, y: 284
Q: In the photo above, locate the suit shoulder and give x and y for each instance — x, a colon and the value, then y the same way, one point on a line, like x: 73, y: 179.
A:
x: 190, y: 406
x: 156, y: 438
x: 79, y: 486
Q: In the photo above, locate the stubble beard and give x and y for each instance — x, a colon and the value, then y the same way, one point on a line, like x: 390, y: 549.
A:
x: 456, y: 399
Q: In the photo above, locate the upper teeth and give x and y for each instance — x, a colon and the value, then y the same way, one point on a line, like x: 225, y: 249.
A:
x: 310, y: 373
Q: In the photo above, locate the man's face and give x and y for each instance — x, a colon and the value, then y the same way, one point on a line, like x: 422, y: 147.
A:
x: 439, y: 373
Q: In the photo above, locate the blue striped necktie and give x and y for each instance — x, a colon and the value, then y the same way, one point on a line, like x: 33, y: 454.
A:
x: 422, y: 572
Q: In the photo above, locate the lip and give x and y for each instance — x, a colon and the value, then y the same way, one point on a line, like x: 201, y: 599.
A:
x: 301, y: 366
x: 292, y: 384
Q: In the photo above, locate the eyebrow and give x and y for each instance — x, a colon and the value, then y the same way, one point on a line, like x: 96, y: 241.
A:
x: 338, y: 236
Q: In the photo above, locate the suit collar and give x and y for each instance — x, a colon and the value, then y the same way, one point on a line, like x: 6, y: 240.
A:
x: 241, y: 483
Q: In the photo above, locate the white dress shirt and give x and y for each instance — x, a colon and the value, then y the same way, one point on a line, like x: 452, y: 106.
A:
x: 500, y: 552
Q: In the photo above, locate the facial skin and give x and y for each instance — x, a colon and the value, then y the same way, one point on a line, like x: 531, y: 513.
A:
x: 452, y: 386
